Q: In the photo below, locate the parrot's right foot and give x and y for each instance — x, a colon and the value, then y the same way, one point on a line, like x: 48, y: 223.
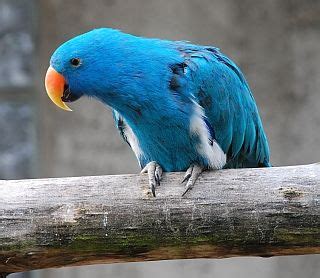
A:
x: 191, y: 177
x: 154, y: 171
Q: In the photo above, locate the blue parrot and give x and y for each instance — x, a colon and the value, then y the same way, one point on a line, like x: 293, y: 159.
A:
x: 179, y: 106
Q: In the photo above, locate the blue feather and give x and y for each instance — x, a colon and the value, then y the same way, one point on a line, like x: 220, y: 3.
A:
x: 168, y: 97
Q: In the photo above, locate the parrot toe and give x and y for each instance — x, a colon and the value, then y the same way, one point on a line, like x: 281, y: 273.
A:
x: 191, y: 177
x: 154, y: 171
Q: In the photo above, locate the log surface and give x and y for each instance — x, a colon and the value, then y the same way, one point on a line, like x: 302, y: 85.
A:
x: 106, y: 219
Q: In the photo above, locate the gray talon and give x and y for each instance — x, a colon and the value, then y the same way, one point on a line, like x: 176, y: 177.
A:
x: 153, y: 190
x: 191, y: 177
x: 158, y: 174
x: 154, y: 171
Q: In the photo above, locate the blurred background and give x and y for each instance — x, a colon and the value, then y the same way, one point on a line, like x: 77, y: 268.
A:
x: 275, y: 42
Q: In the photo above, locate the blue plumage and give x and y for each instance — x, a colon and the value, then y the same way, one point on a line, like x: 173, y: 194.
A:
x: 175, y: 103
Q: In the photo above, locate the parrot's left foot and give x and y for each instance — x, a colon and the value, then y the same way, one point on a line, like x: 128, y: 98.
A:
x: 154, y: 171
x: 191, y: 177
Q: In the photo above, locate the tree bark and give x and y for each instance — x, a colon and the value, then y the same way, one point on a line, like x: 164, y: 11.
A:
x: 106, y: 219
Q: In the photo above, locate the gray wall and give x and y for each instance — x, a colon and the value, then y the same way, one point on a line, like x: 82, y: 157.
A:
x: 275, y: 42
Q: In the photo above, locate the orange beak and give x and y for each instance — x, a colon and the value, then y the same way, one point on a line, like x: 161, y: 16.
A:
x: 54, y: 83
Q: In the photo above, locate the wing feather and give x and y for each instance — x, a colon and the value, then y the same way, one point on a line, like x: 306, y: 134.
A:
x: 222, y: 91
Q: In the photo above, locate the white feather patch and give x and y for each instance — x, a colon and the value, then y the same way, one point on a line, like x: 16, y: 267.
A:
x: 133, y: 140
x: 214, y: 154
x: 131, y: 137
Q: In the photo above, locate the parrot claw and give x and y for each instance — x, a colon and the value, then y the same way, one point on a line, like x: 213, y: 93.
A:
x: 154, y: 171
x: 191, y: 177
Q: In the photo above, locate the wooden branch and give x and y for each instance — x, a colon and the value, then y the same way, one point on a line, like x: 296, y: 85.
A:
x: 107, y: 219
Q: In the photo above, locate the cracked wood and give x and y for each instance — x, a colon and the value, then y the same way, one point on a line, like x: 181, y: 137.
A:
x: 106, y: 219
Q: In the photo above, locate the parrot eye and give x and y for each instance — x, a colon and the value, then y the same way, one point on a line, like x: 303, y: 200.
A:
x: 75, y: 62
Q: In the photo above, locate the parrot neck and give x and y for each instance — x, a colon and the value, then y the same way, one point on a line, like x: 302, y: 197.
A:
x: 139, y: 111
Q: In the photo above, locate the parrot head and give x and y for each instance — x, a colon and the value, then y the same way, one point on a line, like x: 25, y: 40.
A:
x: 88, y: 64
x: 115, y: 68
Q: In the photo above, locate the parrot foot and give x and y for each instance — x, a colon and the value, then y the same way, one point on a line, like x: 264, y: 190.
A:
x: 191, y: 177
x: 154, y: 171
